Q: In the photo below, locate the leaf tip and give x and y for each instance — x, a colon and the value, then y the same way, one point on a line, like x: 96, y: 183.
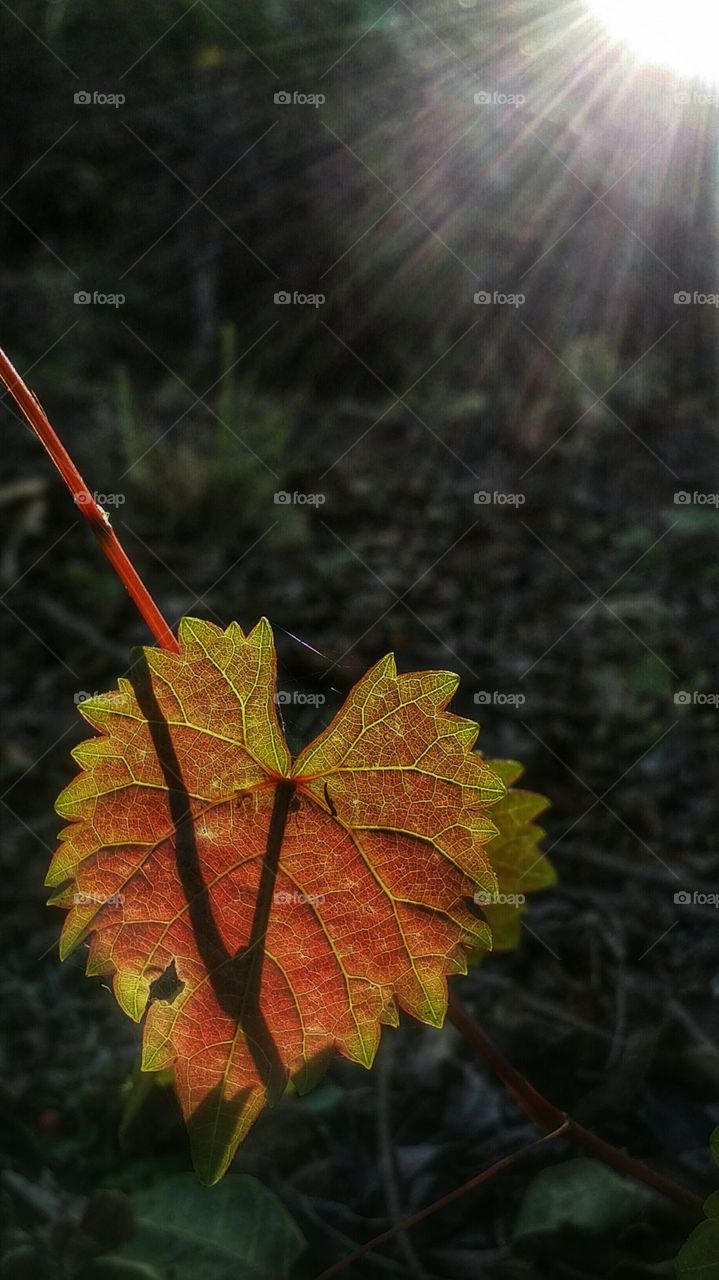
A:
x: 262, y: 631
x: 387, y: 666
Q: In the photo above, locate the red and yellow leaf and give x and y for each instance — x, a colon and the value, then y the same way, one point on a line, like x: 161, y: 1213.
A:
x: 261, y: 913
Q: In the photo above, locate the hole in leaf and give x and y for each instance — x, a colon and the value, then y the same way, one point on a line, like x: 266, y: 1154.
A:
x: 168, y: 986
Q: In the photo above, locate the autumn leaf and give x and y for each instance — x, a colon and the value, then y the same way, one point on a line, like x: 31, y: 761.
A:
x: 261, y: 913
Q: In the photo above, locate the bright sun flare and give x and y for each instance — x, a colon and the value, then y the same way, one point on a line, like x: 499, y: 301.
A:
x: 680, y: 34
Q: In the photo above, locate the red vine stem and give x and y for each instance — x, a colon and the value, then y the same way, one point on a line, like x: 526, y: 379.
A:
x: 471, y: 1185
x: 86, y: 504
x: 547, y: 1116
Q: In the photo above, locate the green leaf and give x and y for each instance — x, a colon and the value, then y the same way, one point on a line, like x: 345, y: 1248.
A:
x: 519, y: 866
x: 112, y: 1268
x: 581, y: 1194
x: 699, y: 1257
x: 237, y: 1230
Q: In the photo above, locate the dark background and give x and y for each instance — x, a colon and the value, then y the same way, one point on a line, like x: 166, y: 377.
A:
x: 199, y: 398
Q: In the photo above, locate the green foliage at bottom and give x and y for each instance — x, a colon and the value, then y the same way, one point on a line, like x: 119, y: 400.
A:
x: 699, y: 1259
x: 237, y: 1230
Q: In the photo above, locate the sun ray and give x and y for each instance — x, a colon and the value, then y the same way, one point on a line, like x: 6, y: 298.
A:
x: 684, y: 38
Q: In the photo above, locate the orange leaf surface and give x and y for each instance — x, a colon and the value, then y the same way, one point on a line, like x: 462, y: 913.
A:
x: 261, y: 913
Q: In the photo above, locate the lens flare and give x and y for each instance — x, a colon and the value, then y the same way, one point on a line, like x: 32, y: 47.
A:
x: 681, y: 36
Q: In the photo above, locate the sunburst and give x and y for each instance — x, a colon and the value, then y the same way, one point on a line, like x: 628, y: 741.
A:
x: 683, y: 37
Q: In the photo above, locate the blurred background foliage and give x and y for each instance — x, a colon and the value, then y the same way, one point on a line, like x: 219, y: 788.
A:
x: 199, y: 398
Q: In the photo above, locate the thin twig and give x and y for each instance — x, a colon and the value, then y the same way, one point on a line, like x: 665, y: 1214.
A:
x: 547, y: 1116
x: 471, y: 1185
x: 387, y: 1164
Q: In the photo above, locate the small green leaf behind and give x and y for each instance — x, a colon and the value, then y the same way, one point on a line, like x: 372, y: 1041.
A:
x: 519, y: 865
x: 237, y: 1230
x: 699, y: 1258
x: 582, y: 1195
